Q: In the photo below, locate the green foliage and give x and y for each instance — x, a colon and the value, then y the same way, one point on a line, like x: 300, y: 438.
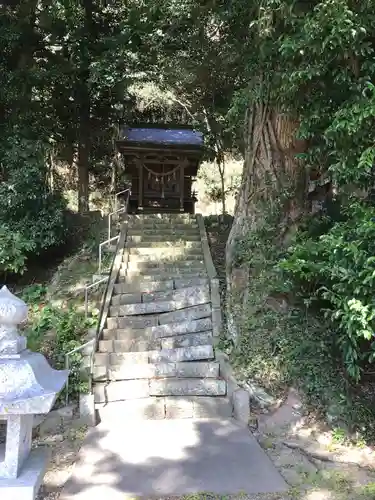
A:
x: 56, y: 331
x: 284, y: 342
x: 336, y: 271
x: 27, y: 206
x: 313, y: 61
x: 13, y: 250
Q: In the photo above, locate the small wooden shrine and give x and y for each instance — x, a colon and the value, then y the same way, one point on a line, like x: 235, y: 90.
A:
x: 162, y: 164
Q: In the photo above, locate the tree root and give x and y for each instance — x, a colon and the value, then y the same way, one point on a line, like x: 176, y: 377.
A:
x: 322, y: 457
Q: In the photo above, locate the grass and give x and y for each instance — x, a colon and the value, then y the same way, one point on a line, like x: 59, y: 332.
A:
x: 57, y: 322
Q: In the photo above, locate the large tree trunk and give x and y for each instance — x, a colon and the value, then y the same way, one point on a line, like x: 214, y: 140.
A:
x: 221, y: 168
x: 83, y: 168
x: 83, y: 159
x: 84, y: 145
x: 272, y: 177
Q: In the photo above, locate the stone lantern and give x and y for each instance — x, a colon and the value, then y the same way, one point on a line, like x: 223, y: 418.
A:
x: 28, y: 387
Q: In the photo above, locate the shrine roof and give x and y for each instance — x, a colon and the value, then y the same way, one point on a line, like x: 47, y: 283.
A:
x: 177, y: 137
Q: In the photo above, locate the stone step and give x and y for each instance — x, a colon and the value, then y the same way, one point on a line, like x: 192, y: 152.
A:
x: 178, y: 355
x: 159, y: 276
x: 163, y: 225
x: 122, y: 390
x: 163, y: 250
x: 143, y: 388
x: 139, y: 286
x: 195, y: 312
x: 188, y: 314
x: 157, y: 307
x: 202, y: 369
x: 188, y: 387
x: 129, y: 345
x: 187, y: 340
x: 178, y: 269
x: 164, y: 265
x: 157, y: 237
x: 175, y: 294
x: 133, y: 298
x: 164, y: 257
x: 179, y: 299
x: 132, y: 322
x: 163, y: 230
x: 140, y: 345
x: 161, y: 244
x: 161, y: 331
x: 155, y: 408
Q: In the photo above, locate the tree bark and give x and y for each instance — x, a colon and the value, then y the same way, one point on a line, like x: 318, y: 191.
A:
x: 273, y: 181
x: 84, y: 142
x: 83, y: 168
x: 221, y: 167
x: 271, y: 171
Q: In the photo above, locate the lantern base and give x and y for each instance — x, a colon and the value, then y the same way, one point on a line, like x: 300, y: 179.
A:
x: 27, y: 484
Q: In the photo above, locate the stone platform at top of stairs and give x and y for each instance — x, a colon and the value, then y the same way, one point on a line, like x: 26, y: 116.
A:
x: 166, y: 458
x: 163, y: 229
x: 163, y: 226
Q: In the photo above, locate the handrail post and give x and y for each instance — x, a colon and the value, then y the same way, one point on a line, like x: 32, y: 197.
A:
x: 67, y: 382
x: 86, y: 303
x: 100, y: 259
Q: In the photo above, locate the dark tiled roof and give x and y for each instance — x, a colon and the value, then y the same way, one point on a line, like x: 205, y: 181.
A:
x: 163, y: 136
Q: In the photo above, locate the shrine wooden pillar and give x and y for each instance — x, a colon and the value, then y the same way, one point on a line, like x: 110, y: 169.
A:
x: 182, y: 179
x: 140, y: 190
x: 184, y: 163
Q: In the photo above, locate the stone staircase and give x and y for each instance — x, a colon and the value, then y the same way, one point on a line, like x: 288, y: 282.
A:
x: 156, y: 355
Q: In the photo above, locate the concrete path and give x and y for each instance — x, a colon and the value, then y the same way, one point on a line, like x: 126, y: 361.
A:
x: 170, y: 457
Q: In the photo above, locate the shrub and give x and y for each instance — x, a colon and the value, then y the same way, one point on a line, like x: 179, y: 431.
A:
x: 13, y: 250
x: 336, y: 273
x: 28, y: 208
x: 56, y: 331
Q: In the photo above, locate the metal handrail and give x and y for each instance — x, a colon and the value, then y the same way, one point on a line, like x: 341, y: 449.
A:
x: 118, y: 210
x: 88, y: 287
x: 118, y: 194
x: 122, y: 209
x: 67, y: 365
x: 106, y: 242
x: 100, y: 319
x: 99, y: 326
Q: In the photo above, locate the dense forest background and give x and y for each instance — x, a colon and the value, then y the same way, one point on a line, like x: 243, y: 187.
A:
x: 287, y: 85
